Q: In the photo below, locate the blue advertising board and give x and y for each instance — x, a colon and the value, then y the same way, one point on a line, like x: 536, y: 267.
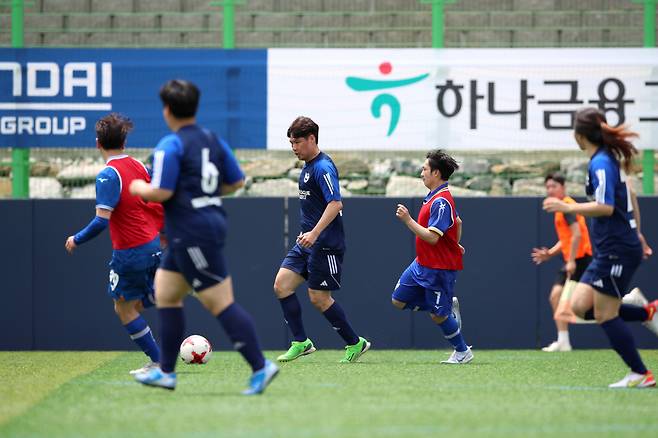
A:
x: 53, y: 97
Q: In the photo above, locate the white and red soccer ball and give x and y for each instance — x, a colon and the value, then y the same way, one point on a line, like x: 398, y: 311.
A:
x: 195, y: 349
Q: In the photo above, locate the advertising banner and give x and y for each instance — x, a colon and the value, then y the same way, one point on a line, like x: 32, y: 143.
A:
x: 517, y: 99
x: 53, y: 97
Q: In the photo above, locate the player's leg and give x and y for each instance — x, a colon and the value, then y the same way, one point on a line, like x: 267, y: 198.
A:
x: 205, y: 269
x: 240, y: 329
x: 632, y: 301
x: 562, y: 343
x: 129, y: 313
x: 409, y: 295
x: 606, y: 312
x: 127, y: 290
x: 170, y: 289
x: 607, y: 283
x: 439, y: 298
x: 288, y: 279
x: 324, y: 276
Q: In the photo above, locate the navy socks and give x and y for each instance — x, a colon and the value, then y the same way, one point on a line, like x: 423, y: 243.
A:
x: 292, y: 313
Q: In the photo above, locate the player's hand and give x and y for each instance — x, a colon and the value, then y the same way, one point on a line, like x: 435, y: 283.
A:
x: 137, y: 186
x: 403, y: 213
x: 570, y: 268
x: 646, y: 249
x: 70, y: 244
x: 540, y: 255
x: 462, y: 249
x: 552, y: 205
x: 306, y: 240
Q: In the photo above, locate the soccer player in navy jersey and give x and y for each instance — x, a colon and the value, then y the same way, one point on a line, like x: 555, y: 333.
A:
x: 317, y: 256
x: 192, y: 168
x: 428, y: 283
x: 618, y: 246
x: 134, y: 230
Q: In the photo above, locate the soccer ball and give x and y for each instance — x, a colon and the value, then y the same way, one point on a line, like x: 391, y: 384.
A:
x: 195, y: 349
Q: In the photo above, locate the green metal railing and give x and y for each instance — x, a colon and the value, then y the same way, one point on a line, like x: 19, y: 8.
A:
x: 20, y: 157
x: 648, y: 156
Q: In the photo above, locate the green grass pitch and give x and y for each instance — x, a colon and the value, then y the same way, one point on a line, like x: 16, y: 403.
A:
x: 387, y: 394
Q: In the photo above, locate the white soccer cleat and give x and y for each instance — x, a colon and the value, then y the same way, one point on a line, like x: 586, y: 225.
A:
x: 456, y: 312
x: 156, y: 377
x: 635, y: 297
x: 557, y: 346
x: 459, y: 357
x: 635, y: 380
x: 145, y: 369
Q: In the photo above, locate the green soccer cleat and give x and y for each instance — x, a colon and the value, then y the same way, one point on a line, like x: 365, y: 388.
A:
x: 297, y: 349
x: 354, y: 352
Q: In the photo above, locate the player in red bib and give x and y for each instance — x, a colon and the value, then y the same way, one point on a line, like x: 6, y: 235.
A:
x: 134, y: 229
x: 428, y: 283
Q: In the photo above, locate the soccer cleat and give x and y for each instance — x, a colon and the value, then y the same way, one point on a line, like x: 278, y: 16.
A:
x: 297, y: 349
x: 261, y: 378
x: 456, y: 313
x: 145, y: 368
x: 635, y: 380
x: 459, y: 357
x: 156, y: 377
x: 635, y: 297
x: 557, y: 346
x: 652, y: 322
x: 354, y: 352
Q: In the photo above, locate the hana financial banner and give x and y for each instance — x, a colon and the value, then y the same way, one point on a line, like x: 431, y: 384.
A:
x: 520, y: 99
x: 53, y: 97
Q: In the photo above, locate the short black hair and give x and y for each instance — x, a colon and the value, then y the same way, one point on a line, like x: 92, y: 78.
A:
x: 111, y: 131
x: 444, y: 163
x: 181, y: 96
x: 303, y: 127
x: 557, y: 177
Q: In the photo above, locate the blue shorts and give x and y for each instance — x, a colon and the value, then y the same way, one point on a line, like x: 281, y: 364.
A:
x: 132, y: 272
x: 320, y: 268
x: 611, y: 275
x: 424, y: 289
x: 201, y: 266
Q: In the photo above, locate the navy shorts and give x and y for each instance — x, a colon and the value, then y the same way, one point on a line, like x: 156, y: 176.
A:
x: 132, y: 273
x: 201, y: 266
x: 414, y: 292
x: 581, y: 264
x: 611, y: 275
x: 320, y: 268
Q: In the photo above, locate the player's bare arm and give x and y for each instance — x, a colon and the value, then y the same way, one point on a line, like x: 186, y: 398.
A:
x: 425, y: 234
x: 144, y: 190
x: 332, y: 210
x: 459, y: 234
x: 646, y: 249
x: 228, y: 189
x: 540, y: 255
x: 590, y: 209
x: 576, y: 236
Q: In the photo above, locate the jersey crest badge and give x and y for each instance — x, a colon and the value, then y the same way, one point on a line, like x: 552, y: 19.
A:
x: 307, y: 176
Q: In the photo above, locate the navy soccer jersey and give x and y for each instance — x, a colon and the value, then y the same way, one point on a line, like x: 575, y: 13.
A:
x: 617, y: 247
x: 616, y: 234
x: 194, y: 163
x: 318, y: 186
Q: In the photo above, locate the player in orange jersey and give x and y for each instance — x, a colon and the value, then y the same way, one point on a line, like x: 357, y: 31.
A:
x: 574, y: 245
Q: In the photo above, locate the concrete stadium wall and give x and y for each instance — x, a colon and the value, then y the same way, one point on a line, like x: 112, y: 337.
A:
x: 329, y: 23
x: 53, y: 301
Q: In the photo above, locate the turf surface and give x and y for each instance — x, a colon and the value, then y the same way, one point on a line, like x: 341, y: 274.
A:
x: 387, y: 394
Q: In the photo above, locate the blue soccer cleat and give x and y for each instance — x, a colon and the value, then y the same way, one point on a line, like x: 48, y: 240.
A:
x: 156, y: 377
x: 261, y: 378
